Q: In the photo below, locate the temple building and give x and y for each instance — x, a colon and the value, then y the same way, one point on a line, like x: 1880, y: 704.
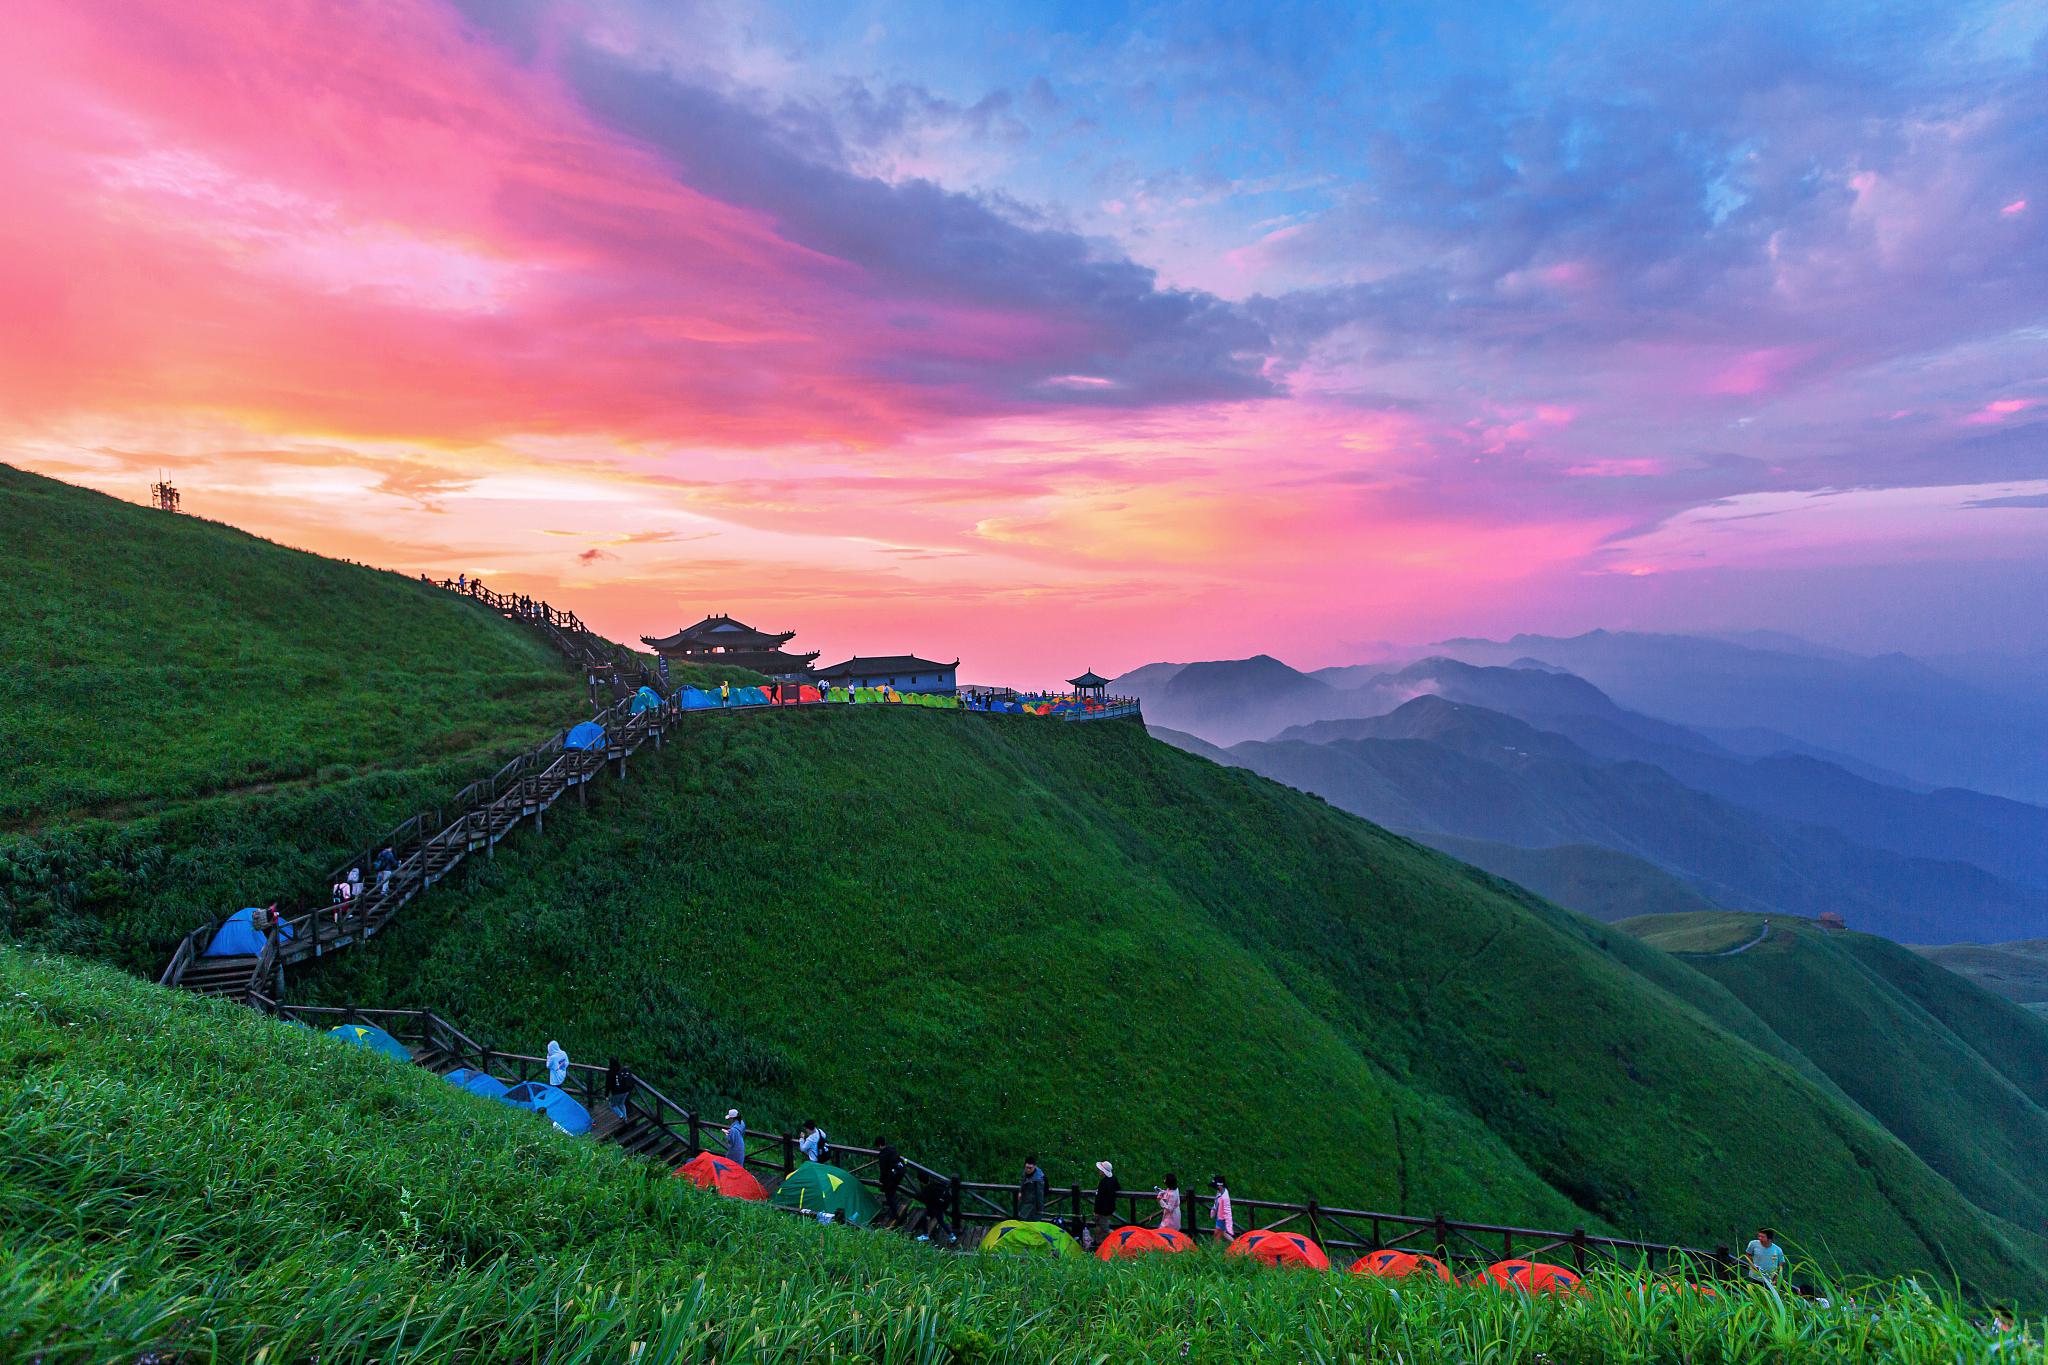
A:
x: 720, y: 641
x: 904, y: 672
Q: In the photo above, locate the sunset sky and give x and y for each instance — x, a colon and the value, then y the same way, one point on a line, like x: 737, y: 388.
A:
x: 1063, y: 335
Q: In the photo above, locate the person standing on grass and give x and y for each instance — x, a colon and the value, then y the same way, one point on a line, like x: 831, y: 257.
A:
x: 1219, y: 1210
x: 1168, y: 1195
x: 889, y: 1175
x: 558, y: 1064
x: 618, y: 1086
x: 1106, y: 1191
x: 735, y: 1137
x: 1031, y: 1193
x: 1763, y: 1257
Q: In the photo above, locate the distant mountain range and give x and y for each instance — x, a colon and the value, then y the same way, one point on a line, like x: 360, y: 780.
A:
x: 1630, y: 813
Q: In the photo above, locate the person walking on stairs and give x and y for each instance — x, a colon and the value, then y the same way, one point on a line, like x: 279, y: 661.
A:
x: 735, y: 1137
x: 1031, y: 1192
x: 385, y: 867
x: 618, y: 1086
x: 889, y: 1175
x: 1219, y: 1211
x: 1106, y: 1191
x: 1763, y: 1257
x: 1168, y: 1195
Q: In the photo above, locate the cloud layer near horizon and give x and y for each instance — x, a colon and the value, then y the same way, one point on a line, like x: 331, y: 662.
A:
x: 1183, y: 334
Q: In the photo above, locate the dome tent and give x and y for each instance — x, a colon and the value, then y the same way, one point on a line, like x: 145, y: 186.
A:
x: 477, y: 1082
x: 1132, y: 1240
x: 828, y: 1192
x: 646, y: 699
x: 238, y: 935
x: 551, y: 1103
x: 1531, y: 1277
x: 375, y: 1039
x: 1280, y: 1248
x: 588, y: 735
x: 1396, y: 1265
x: 710, y: 1171
x: 1017, y: 1237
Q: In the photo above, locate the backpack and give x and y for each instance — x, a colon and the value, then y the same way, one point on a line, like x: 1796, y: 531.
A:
x: 823, y: 1148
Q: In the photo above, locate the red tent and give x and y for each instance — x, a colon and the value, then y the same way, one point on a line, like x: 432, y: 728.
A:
x: 1395, y: 1265
x: 1132, y: 1240
x: 1279, y: 1248
x: 709, y: 1171
x: 1533, y: 1277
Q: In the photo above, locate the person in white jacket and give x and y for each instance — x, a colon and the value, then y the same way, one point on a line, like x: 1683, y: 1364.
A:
x: 812, y: 1141
x: 558, y: 1064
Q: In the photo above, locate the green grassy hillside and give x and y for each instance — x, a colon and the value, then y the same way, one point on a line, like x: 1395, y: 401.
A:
x: 1957, y: 1073
x: 1602, y: 882
x: 2017, y: 971
x: 1002, y: 936
x: 185, y: 1180
x: 199, y: 719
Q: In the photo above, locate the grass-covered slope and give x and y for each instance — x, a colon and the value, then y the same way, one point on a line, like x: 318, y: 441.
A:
x: 185, y: 1180
x: 1602, y: 882
x: 999, y: 935
x: 197, y: 719
x: 1957, y: 1073
x: 2018, y: 971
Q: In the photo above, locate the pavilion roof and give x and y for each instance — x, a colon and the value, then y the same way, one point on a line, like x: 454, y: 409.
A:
x: 1089, y: 679
x: 858, y: 667
x: 719, y: 632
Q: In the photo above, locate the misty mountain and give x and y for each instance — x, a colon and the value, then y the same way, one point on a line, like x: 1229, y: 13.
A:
x: 1892, y: 711
x: 1231, y: 699
x: 1436, y: 767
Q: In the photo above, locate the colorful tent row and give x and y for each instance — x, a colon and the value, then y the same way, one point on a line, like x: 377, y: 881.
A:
x: 536, y: 1097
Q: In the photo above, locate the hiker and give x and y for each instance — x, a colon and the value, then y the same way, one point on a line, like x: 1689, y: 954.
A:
x: 735, y: 1137
x: 935, y: 1200
x: 724, y: 693
x: 276, y: 920
x: 618, y: 1086
x: 385, y: 867
x: 558, y: 1064
x: 1169, y: 1202
x: 1763, y: 1256
x: 462, y: 582
x: 889, y: 1175
x: 1031, y: 1192
x: 813, y: 1137
x: 1106, y: 1191
x: 340, y: 902
x: 1219, y: 1210
x: 355, y: 882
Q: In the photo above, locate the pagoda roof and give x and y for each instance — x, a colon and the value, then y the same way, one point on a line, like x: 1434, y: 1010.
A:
x: 1089, y: 679
x: 858, y: 667
x: 719, y: 632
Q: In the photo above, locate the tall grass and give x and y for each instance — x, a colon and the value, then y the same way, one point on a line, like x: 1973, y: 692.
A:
x: 184, y: 1181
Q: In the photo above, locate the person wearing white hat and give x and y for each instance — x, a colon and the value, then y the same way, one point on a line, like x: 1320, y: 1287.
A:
x: 1106, y: 1191
x: 735, y: 1137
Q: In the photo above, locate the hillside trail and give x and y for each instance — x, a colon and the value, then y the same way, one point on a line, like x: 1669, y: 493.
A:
x: 1761, y: 935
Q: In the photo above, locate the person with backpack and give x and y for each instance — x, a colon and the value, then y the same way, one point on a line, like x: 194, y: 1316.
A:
x: 385, y: 867
x: 812, y: 1142
x: 935, y: 1198
x: 889, y: 1170
x: 1031, y: 1192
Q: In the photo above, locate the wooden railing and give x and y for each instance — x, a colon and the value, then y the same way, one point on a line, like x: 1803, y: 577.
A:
x: 1340, y: 1231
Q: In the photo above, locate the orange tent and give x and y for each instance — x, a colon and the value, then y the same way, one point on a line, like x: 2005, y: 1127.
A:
x: 1532, y: 1277
x: 710, y: 1171
x: 1133, y: 1240
x: 1279, y: 1248
x: 1395, y: 1265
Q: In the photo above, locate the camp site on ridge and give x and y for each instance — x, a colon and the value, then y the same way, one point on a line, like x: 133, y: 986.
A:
x: 1062, y: 761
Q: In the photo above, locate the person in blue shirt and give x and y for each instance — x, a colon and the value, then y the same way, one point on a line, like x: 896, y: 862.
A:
x: 1764, y: 1257
x: 735, y: 1137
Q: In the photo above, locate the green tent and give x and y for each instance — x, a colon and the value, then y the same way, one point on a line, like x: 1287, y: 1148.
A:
x: 1033, y: 1239
x: 817, y: 1188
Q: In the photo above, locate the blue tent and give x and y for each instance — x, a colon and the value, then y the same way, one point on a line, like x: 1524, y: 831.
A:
x: 696, y: 699
x: 555, y: 1105
x: 646, y: 699
x: 375, y: 1039
x: 238, y: 936
x: 588, y: 735
x: 477, y: 1082
x: 749, y: 696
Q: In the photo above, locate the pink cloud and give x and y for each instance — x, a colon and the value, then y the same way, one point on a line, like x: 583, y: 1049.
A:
x: 2014, y: 209
x: 1997, y: 411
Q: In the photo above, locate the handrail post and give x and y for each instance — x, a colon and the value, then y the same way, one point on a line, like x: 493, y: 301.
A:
x: 1443, y: 1238
x: 1579, y: 1250
x: 953, y: 1191
x: 788, y: 1155
x: 696, y: 1133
